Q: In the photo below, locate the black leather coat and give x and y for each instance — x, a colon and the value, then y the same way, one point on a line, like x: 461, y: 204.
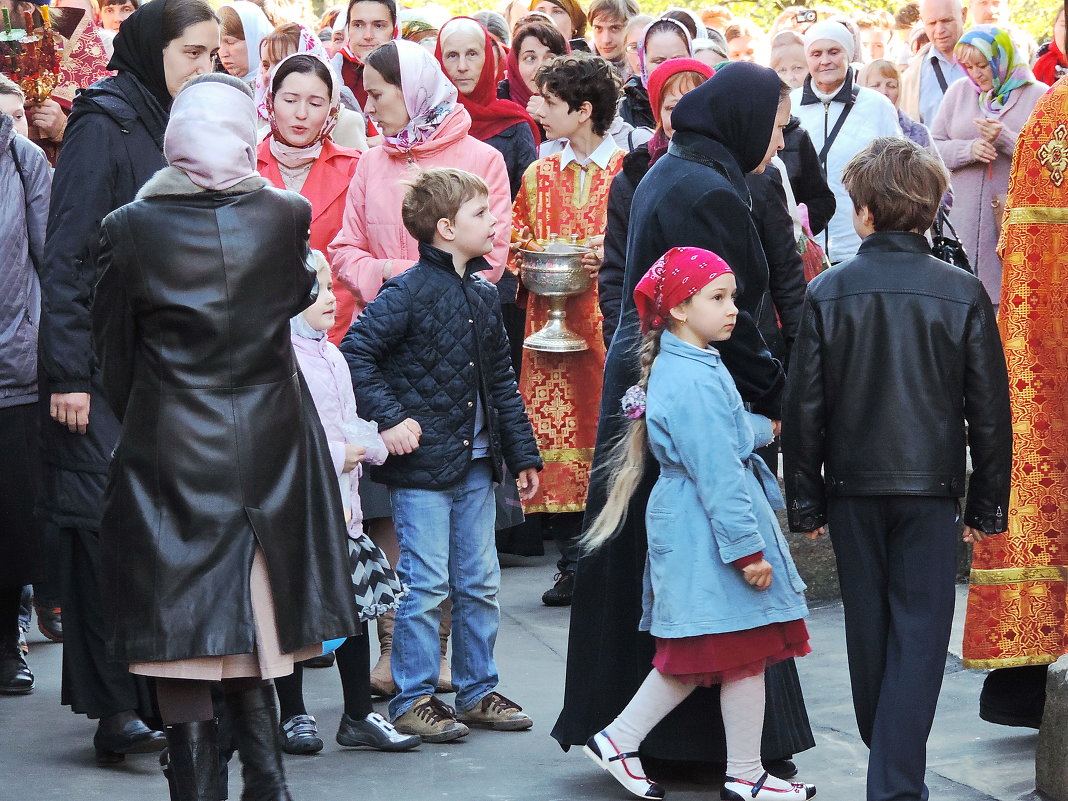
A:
x: 896, y: 352
x: 221, y: 447
x: 430, y: 346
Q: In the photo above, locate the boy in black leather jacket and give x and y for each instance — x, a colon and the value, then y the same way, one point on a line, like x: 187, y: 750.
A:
x: 896, y: 352
x: 430, y: 361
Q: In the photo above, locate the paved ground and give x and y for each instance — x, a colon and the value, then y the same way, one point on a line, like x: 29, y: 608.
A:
x: 46, y: 755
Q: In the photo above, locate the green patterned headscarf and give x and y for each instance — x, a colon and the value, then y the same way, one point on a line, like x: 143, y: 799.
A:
x: 1010, y: 70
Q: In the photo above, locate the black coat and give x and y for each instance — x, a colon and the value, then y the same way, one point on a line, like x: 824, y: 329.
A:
x: 610, y: 277
x: 786, y: 271
x: 516, y: 144
x: 806, y: 176
x: 430, y: 346
x: 695, y: 195
x: 901, y: 349
x: 221, y: 447
x: 112, y: 146
x: 635, y: 107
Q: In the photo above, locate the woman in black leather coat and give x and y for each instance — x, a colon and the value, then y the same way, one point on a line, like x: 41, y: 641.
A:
x: 223, y: 530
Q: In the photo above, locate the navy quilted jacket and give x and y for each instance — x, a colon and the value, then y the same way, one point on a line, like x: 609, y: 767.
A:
x: 428, y: 347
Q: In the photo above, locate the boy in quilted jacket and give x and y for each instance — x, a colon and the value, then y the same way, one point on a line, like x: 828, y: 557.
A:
x: 430, y: 361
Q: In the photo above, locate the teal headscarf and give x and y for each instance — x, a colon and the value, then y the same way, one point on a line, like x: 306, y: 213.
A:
x: 1009, y: 69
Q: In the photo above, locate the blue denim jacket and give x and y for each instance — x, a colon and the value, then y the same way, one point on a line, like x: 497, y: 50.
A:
x: 711, y: 505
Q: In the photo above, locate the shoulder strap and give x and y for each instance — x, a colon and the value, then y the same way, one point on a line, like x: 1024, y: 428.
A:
x: 838, y: 127
x: 939, y: 74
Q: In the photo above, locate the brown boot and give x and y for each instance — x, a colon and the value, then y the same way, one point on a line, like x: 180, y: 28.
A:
x: 445, y: 684
x: 382, y: 685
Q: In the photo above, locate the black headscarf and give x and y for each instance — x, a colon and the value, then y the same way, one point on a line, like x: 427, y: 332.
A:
x: 735, y: 107
x: 139, y: 50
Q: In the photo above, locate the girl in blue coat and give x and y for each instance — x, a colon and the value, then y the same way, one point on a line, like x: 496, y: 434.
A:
x: 722, y: 596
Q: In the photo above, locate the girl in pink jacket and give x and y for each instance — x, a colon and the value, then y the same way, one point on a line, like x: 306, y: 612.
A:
x: 414, y: 105
x: 376, y: 587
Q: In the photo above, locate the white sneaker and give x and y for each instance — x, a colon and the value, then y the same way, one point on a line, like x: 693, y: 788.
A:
x: 738, y: 790
x: 603, y: 751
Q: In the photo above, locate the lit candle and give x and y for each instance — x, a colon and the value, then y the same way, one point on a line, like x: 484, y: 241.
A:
x: 7, y: 21
x: 46, y: 16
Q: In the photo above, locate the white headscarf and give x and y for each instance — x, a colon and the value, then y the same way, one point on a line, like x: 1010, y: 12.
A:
x: 429, y: 95
x: 257, y: 28
x: 834, y: 31
x: 211, y: 134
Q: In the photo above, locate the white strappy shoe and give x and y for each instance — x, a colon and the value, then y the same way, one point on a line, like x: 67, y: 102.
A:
x: 738, y: 790
x: 624, y: 768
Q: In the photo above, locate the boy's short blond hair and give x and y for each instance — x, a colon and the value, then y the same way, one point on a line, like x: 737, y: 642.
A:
x: 899, y: 182
x: 436, y: 195
x: 9, y: 87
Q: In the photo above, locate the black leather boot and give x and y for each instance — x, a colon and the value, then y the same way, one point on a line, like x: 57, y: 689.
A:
x: 192, y: 760
x: 255, y: 722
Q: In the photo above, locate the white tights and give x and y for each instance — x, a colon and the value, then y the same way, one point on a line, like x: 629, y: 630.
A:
x: 741, y: 703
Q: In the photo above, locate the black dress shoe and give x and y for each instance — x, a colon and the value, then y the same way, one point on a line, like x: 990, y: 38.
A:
x: 560, y: 593
x: 784, y: 769
x: 15, y: 675
x: 121, y: 734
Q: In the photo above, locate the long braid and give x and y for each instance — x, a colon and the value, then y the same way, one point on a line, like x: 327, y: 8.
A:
x: 626, y: 459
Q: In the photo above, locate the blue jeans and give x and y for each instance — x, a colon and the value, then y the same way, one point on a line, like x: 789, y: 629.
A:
x: 447, y: 548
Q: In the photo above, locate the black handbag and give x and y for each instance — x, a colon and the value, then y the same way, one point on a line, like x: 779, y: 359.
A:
x: 948, y: 248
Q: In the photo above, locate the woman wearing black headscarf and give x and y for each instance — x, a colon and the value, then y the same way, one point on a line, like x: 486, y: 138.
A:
x: 112, y: 145
x: 695, y: 196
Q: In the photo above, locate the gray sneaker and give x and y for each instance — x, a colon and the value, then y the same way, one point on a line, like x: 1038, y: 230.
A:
x: 374, y: 731
x: 432, y: 720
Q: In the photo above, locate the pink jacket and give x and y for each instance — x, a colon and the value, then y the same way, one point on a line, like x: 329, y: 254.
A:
x: 372, y: 231
x: 330, y: 383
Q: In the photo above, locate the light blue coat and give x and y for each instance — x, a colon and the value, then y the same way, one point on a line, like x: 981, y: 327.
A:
x: 710, y: 505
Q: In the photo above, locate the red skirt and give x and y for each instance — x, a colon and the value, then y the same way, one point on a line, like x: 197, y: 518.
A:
x: 709, y: 659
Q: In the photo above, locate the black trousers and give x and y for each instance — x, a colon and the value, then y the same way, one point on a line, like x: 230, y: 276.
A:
x: 92, y: 685
x: 897, y: 566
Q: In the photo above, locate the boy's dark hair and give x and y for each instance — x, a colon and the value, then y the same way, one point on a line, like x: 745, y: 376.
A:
x: 391, y: 7
x: 899, y: 182
x: 613, y: 10
x: 435, y: 195
x: 578, y: 78
x: 135, y: 4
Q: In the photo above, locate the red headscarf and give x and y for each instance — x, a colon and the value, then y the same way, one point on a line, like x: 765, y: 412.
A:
x: 677, y: 275
x: 489, y: 115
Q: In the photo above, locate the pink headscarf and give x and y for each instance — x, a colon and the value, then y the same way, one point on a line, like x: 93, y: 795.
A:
x: 308, y: 42
x: 211, y: 134
x: 429, y: 95
x: 290, y: 155
x: 677, y: 275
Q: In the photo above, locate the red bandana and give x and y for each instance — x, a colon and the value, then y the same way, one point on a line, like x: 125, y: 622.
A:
x: 677, y: 275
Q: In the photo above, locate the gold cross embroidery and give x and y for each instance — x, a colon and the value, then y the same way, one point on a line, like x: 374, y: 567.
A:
x: 1054, y: 155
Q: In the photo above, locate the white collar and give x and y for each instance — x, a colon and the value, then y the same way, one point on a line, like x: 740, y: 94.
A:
x: 600, y: 156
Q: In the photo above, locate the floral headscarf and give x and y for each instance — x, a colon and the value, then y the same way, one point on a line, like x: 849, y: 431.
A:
x: 660, y: 24
x: 291, y: 155
x: 429, y: 95
x: 1009, y: 69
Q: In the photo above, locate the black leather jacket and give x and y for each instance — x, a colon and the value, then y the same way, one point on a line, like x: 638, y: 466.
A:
x: 430, y: 346
x: 896, y: 352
